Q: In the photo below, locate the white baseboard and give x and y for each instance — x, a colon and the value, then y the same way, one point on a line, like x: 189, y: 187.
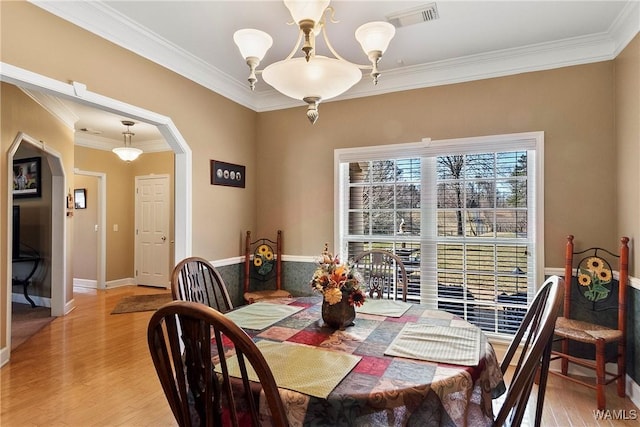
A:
x: 40, y: 301
x: 4, y: 356
x: 85, y: 283
x: 129, y: 281
x: 633, y: 391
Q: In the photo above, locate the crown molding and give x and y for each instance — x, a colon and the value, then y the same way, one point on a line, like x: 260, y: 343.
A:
x: 68, y: 118
x: 54, y: 106
x: 105, y: 22
x: 107, y: 144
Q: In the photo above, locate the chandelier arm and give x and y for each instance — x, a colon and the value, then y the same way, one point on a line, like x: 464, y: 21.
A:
x: 332, y: 15
x: 293, y: 51
x: 296, y: 46
x: 337, y: 55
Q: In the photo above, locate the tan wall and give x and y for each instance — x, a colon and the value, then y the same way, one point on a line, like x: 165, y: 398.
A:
x: 627, y: 83
x: 121, y: 200
x: 85, y: 234
x: 573, y: 106
x: 19, y: 113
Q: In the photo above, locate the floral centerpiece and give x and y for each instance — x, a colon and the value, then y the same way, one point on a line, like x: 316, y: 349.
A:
x: 595, y: 277
x: 334, y: 280
x: 339, y: 284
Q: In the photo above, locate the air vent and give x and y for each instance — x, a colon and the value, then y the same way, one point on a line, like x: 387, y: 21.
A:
x: 91, y: 131
x: 417, y: 15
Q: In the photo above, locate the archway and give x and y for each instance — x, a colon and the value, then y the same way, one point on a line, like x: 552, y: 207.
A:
x: 59, y: 303
x: 183, y: 181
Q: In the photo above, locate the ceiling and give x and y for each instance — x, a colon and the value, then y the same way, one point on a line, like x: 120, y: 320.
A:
x: 469, y: 40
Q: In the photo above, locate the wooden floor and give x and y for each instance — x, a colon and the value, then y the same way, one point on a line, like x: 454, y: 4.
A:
x: 93, y: 368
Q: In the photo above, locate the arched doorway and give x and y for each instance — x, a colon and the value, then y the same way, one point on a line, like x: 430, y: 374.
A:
x: 183, y: 181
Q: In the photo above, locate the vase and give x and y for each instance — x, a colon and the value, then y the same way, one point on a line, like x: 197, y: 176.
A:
x: 338, y: 315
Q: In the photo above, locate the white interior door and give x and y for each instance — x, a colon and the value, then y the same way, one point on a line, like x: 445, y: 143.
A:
x: 152, y: 230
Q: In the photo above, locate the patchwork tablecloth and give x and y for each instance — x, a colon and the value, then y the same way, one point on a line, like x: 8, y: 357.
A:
x: 386, y: 390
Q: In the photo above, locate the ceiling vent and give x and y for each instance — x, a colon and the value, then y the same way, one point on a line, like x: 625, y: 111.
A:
x: 416, y: 15
x: 90, y: 131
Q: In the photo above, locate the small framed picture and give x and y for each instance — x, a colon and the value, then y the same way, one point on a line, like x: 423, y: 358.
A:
x: 26, y: 177
x: 223, y: 173
x: 80, y: 198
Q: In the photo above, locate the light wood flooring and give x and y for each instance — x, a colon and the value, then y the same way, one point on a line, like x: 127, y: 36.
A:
x: 93, y: 368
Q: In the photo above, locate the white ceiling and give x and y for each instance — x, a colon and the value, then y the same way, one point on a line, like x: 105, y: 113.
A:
x: 471, y: 40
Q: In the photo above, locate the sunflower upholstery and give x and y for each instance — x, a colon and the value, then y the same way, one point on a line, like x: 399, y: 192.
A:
x: 263, y: 264
x: 592, y: 330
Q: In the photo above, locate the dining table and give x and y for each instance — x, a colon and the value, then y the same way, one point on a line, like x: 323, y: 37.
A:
x: 399, y: 364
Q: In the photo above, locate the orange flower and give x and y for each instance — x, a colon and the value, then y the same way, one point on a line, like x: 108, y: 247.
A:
x: 339, y: 274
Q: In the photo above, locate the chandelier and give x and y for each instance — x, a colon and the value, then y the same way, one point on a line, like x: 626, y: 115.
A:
x: 313, y: 78
x: 127, y: 153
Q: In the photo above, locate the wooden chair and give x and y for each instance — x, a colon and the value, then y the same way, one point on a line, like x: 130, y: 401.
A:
x: 533, y: 341
x: 197, y: 394
x: 262, y: 263
x: 195, y: 279
x: 592, y: 330
x: 384, y: 274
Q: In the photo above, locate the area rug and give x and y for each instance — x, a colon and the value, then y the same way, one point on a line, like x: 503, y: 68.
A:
x: 134, y: 303
x: 26, y: 321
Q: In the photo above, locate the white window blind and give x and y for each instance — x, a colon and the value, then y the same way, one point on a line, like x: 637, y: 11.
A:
x: 460, y: 213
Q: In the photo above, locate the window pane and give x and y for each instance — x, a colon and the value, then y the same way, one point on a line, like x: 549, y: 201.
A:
x: 481, y: 194
x: 359, y: 223
x: 479, y: 223
x: 382, y: 223
x: 513, y: 163
x: 359, y: 172
x: 408, y: 196
x: 408, y: 223
x: 449, y: 195
x: 479, y: 166
x: 450, y: 223
x: 450, y: 167
x: 383, y: 171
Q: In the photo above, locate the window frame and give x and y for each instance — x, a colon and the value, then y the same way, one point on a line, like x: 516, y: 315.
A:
x: 532, y: 142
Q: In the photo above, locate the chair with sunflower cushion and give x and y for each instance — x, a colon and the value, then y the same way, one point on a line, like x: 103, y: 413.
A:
x: 592, y: 330
x: 263, y: 266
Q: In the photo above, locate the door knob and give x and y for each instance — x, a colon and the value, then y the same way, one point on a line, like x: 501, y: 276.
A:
x: 164, y: 238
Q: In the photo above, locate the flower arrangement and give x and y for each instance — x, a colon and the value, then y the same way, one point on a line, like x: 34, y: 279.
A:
x: 333, y: 277
x: 594, y: 277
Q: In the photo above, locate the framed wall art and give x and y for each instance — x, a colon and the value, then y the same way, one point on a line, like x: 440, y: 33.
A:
x: 223, y: 173
x: 26, y: 178
x: 80, y: 198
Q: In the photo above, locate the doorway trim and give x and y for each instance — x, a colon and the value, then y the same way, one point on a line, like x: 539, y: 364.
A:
x: 60, y: 304
x: 102, y: 225
x: 78, y: 92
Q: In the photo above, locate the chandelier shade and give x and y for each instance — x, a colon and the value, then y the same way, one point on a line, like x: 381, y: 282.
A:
x: 321, y: 77
x: 313, y: 78
x: 252, y: 43
x: 375, y: 36
x: 127, y: 152
x: 306, y: 10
